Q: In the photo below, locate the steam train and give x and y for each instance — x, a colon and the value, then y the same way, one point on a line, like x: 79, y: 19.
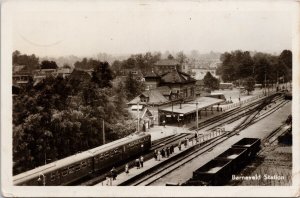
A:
x: 70, y: 169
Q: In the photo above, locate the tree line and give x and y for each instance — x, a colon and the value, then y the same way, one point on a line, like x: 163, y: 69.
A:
x: 238, y: 65
x: 59, y: 116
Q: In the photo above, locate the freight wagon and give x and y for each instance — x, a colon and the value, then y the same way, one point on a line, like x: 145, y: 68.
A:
x: 216, y: 172
x: 251, y: 144
x: 219, y: 170
x: 238, y: 157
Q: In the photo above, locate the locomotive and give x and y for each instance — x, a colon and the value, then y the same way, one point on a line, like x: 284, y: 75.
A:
x: 70, y: 169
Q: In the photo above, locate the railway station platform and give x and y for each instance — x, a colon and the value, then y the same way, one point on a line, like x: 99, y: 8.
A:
x: 182, y: 174
x: 149, y: 164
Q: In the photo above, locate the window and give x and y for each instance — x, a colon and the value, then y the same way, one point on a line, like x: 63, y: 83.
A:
x: 64, y: 172
x: 53, y: 176
x: 101, y: 157
x: 106, y: 154
x: 83, y: 164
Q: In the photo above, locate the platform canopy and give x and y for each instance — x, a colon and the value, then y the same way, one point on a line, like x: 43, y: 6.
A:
x: 190, y: 107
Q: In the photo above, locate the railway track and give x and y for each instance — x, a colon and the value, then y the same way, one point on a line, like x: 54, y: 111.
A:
x: 176, y: 163
x: 231, y: 115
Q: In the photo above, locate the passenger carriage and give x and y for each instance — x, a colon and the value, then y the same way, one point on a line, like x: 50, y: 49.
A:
x: 70, y: 169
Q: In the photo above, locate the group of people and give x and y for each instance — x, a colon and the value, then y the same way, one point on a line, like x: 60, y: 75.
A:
x: 139, y: 162
x: 111, y: 176
x: 164, y: 152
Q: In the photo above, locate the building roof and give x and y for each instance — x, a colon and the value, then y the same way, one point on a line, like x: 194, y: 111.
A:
x: 151, y: 74
x: 164, y: 90
x: 155, y: 97
x: 166, y: 62
x: 177, y: 77
x: 203, y: 102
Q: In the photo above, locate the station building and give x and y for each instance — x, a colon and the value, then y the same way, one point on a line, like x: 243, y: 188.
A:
x: 170, y: 96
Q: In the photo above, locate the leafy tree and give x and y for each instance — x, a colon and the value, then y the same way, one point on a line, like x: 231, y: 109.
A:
x: 31, y: 62
x: 133, y: 87
x: 66, y: 66
x: 211, y: 82
x: 48, y: 65
x: 249, y: 84
x: 286, y: 58
x: 170, y: 57
x: 181, y: 57
x: 102, y: 75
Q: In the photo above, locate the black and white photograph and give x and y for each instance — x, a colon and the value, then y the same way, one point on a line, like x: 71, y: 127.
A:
x: 150, y: 98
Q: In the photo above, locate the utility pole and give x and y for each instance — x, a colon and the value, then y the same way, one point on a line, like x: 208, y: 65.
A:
x: 138, y: 121
x: 197, y: 116
x: 265, y: 83
x: 103, y: 131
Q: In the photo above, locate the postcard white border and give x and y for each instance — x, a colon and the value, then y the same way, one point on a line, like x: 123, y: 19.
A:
x: 8, y: 189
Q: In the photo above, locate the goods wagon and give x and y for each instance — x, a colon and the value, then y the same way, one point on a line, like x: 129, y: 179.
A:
x: 251, y: 144
x: 238, y: 157
x: 216, y: 172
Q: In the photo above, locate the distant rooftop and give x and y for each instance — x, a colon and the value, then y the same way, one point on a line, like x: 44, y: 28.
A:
x: 155, y: 97
x: 167, y: 62
x: 177, y: 77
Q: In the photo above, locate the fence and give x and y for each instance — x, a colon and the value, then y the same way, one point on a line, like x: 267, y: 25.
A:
x: 234, y: 105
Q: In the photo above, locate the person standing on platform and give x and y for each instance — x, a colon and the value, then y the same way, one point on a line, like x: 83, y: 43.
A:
x: 163, y: 152
x: 179, y: 145
x: 171, y: 149
x: 137, y: 163
x: 164, y: 123
x: 158, y: 155
x: 142, y: 161
x: 155, y: 155
x: 114, y: 173
x: 185, y: 142
x: 168, y: 151
x: 126, y: 169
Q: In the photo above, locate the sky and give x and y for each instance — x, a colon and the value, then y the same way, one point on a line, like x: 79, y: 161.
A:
x: 61, y: 28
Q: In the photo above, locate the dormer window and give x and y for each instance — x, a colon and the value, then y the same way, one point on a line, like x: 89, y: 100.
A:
x: 144, y: 99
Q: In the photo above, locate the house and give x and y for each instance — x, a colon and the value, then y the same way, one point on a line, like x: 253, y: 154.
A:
x: 21, y: 78
x: 152, y: 79
x: 63, y: 72
x: 151, y: 99
x: 181, y: 84
x: 199, y: 73
x: 166, y: 65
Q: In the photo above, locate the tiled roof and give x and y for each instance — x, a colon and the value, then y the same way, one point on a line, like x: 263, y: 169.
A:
x: 165, y: 62
x: 151, y: 74
x: 177, y: 77
x: 155, y: 97
x: 164, y: 90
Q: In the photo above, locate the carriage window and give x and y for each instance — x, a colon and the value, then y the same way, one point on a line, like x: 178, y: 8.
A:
x: 83, y: 164
x: 65, y: 172
x: 106, y: 154
x: 101, y: 157
x: 53, y: 176
x: 77, y: 168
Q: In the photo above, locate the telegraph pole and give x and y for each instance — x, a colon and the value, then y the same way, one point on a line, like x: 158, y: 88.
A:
x: 197, y: 116
x: 138, y: 121
x: 265, y: 83
x: 103, y: 131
